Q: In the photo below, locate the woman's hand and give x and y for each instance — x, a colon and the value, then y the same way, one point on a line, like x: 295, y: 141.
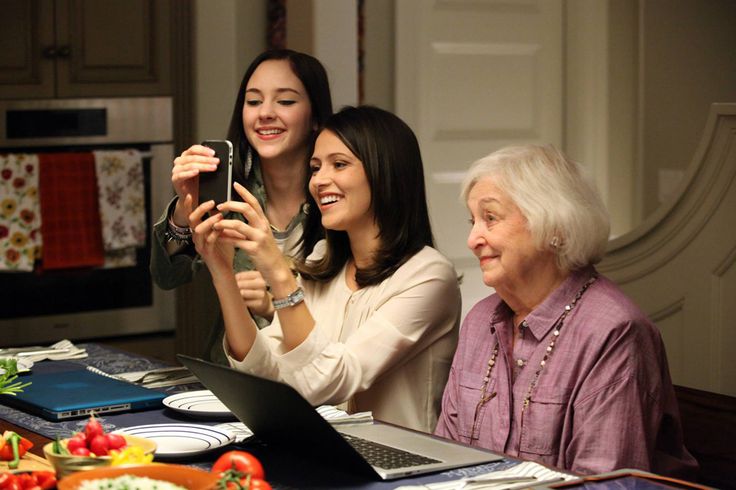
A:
x: 254, y: 237
x: 253, y: 289
x: 217, y: 253
x: 184, y: 178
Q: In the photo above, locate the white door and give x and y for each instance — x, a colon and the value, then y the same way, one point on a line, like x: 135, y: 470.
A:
x: 473, y: 76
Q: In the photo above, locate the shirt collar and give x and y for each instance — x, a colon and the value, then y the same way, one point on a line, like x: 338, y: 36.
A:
x: 541, y: 320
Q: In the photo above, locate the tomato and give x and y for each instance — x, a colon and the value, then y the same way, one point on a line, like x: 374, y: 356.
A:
x: 258, y: 484
x: 238, y: 461
x: 246, y: 483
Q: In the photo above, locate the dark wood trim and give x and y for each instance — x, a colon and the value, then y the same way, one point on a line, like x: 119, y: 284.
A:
x: 709, y: 429
x: 182, y: 45
x: 182, y: 76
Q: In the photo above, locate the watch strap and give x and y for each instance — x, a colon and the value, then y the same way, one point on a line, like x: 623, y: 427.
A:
x: 291, y: 300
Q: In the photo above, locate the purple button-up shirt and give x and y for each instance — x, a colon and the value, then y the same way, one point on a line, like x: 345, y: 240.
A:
x: 604, y: 399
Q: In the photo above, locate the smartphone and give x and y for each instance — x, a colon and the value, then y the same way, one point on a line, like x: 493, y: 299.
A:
x: 217, y: 185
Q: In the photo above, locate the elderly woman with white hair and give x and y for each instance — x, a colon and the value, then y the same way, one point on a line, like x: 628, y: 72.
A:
x: 558, y: 366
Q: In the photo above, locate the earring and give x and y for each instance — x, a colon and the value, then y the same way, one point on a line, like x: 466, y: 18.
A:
x: 555, y: 242
x: 248, y: 162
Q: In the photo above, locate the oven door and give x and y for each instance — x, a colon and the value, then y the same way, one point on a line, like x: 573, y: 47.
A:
x: 88, y: 303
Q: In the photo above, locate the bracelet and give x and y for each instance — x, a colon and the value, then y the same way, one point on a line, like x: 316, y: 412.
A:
x: 177, y: 234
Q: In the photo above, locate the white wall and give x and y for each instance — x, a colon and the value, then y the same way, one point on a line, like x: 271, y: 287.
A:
x: 228, y: 34
x: 335, y: 44
x: 689, y: 61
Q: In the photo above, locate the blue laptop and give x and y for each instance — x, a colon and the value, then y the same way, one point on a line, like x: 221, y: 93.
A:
x: 77, y: 393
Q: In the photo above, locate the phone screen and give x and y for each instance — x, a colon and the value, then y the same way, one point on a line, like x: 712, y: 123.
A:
x: 217, y: 185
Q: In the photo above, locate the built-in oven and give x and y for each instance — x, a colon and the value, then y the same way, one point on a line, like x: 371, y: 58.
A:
x: 90, y: 302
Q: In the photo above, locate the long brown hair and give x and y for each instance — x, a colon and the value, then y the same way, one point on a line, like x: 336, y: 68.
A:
x: 313, y: 76
x: 390, y: 154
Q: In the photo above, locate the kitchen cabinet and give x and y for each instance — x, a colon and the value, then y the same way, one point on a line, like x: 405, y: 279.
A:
x: 85, y: 48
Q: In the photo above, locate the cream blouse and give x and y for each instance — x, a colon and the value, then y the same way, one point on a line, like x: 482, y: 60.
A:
x: 386, y: 348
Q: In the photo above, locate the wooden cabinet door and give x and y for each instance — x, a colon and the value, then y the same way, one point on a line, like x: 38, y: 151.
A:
x: 113, y: 48
x: 27, y: 32
x: 85, y: 48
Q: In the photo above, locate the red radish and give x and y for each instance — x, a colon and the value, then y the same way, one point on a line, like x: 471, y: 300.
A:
x: 99, y: 445
x: 93, y: 428
x: 76, y: 441
x: 115, y: 441
x: 80, y: 451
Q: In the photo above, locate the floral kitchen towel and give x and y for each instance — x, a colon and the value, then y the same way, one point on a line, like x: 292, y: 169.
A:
x: 20, y: 212
x: 121, y: 198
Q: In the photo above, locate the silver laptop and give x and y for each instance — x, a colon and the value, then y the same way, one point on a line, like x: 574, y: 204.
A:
x: 279, y: 416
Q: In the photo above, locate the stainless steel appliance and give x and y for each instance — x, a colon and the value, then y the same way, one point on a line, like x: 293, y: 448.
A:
x: 94, y: 303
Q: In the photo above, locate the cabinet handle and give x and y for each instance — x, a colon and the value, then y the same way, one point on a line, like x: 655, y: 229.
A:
x: 64, y: 52
x: 49, y: 52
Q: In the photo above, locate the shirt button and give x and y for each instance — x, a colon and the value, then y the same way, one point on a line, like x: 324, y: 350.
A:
x: 520, y: 362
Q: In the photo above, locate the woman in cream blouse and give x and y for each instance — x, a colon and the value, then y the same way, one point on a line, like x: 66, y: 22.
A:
x: 372, y: 318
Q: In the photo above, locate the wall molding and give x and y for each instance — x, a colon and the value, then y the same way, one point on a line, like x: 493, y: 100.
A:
x: 674, y: 225
x: 683, y: 257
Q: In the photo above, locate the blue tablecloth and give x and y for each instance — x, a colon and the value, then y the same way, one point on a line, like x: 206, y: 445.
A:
x: 284, y: 471
x: 111, y: 361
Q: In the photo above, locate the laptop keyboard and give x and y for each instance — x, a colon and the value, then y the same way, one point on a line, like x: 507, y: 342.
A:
x: 386, y: 457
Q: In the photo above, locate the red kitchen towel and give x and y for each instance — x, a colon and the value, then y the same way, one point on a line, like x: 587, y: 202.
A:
x: 70, y: 214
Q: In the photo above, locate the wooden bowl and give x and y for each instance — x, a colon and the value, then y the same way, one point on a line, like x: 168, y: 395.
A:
x: 67, y: 464
x: 185, y: 476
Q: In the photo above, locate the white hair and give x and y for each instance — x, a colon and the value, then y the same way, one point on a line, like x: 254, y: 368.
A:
x: 558, y: 200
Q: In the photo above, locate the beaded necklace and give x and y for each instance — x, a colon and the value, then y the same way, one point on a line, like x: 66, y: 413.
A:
x: 485, y: 397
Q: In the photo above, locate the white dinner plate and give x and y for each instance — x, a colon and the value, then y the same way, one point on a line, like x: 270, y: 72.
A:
x: 180, y: 440
x: 200, y: 403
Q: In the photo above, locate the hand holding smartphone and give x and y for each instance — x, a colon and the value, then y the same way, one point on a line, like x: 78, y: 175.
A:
x: 217, y: 185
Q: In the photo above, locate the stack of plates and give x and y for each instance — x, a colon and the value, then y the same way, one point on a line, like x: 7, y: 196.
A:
x: 178, y: 440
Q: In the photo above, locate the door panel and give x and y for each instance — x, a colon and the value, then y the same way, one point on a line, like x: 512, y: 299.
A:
x: 24, y: 71
x: 117, y: 46
x: 473, y: 76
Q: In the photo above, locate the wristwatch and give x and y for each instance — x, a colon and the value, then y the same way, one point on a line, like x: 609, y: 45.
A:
x: 291, y: 300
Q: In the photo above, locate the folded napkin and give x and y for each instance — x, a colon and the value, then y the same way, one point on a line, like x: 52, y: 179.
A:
x: 335, y: 416
x: 66, y: 350
x: 330, y: 413
x: 153, y: 378
x: 523, y: 475
x: 72, y: 233
x: 20, y: 212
